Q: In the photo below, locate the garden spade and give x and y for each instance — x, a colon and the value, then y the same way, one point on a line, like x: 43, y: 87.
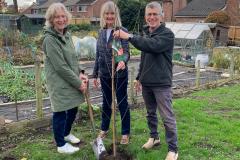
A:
x: 97, y: 144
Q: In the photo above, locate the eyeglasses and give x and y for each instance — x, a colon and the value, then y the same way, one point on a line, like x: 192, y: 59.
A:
x: 153, y: 14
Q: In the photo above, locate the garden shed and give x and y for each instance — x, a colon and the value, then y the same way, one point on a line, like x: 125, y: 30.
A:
x: 30, y: 23
x: 192, y: 39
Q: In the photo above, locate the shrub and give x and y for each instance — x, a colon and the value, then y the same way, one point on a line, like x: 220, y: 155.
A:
x: 93, y: 34
x: 23, y: 57
x: 220, y: 17
x: 79, y: 27
x: 221, y: 58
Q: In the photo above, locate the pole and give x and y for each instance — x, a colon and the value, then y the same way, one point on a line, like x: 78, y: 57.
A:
x: 198, y: 74
x: 38, y: 87
x: 113, y: 107
x: 132, y: 95
x: 231, y: 63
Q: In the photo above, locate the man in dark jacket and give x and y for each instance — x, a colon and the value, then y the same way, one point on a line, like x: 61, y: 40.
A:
x: 155, y: 76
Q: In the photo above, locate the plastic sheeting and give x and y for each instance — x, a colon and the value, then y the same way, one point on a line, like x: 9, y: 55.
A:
x: 86, y: 47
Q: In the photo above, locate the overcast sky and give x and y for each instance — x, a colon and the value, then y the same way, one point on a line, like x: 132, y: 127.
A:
x: 21, y: 2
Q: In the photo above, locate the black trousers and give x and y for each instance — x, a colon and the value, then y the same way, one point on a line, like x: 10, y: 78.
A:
x: 121, y: 94
x: 62, y: 124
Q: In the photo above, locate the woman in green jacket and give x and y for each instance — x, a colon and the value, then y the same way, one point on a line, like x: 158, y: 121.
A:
x: 65, y: 82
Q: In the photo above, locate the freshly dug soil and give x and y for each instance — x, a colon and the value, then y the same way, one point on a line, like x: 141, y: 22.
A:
x: 121, y: 154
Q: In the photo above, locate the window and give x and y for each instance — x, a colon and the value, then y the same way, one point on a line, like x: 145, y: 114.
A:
x: 70, y: 9
x: 82, y: 8
x: 43, y: 11
x: 34, y: 11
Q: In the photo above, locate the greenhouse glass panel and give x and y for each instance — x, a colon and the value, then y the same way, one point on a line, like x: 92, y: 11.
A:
x: 187, y: 27
x: 176, y: 28
x: 181, y: 34
x: 197, y: 31
x: 169, y: 25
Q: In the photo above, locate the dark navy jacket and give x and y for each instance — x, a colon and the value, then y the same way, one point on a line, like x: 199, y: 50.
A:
x: 103, y: 61
x: 156, y: 58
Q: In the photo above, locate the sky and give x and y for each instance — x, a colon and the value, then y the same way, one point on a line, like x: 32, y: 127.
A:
x: 21, y: 2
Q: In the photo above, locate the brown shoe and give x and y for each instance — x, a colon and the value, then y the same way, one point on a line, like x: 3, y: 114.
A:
x: 151, y: 143
x: 102, y: 134
x: 125, y: 139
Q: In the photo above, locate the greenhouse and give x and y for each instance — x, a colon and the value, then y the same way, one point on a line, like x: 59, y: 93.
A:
x: 192, y: 39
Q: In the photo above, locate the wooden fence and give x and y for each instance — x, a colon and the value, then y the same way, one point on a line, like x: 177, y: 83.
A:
x: 42, y: 121
x: 80, y: 21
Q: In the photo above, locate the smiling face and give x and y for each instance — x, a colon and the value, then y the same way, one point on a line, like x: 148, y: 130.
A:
x: 59, y: 21
x: 153, y: 18
x: 109, y: 17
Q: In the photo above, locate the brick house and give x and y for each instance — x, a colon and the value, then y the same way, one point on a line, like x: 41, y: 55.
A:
x: 42, y: 6
x: 171, y: 7
x: 85, y: 9
x: 198, y: 10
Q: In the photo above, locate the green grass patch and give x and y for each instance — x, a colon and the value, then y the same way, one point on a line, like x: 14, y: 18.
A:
x: 208, y: 129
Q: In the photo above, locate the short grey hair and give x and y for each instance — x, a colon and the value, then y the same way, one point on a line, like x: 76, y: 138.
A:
x: 51, y: 11
x: 110, y: 7
x: 155, y: 4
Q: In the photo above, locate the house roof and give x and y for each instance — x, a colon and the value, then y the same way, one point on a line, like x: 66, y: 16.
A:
x: 32, y: 16
x: 201, y: 8
x: 47, y: 4
x: 81, y: 2
x: 67, y: 3
x: 30, y: 7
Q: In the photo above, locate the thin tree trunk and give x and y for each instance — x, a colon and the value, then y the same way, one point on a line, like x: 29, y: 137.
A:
x: 15, y: 3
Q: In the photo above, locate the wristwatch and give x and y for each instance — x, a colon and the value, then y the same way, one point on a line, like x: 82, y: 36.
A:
x: 130, y: 36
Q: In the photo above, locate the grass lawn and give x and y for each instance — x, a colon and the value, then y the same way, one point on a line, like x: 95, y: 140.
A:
x: 208, y: 127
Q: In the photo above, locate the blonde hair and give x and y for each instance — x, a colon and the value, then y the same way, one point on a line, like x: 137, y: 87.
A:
x: 110, y: 7
x: 51, y: 11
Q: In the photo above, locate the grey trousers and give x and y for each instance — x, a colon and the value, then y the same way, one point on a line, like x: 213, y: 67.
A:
x: 161, y: 98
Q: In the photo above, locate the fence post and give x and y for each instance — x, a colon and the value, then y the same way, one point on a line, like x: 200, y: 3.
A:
x: 231, y: 65
x: 16, y: 106
x: 38, y: 87
x: 132, y: 96
x: 198, y: 74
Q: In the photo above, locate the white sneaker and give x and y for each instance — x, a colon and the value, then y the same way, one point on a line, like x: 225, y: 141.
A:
x: 151, y: 143
x: 172, y: 156
x: 67, y: 149
x: 72, y: 139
